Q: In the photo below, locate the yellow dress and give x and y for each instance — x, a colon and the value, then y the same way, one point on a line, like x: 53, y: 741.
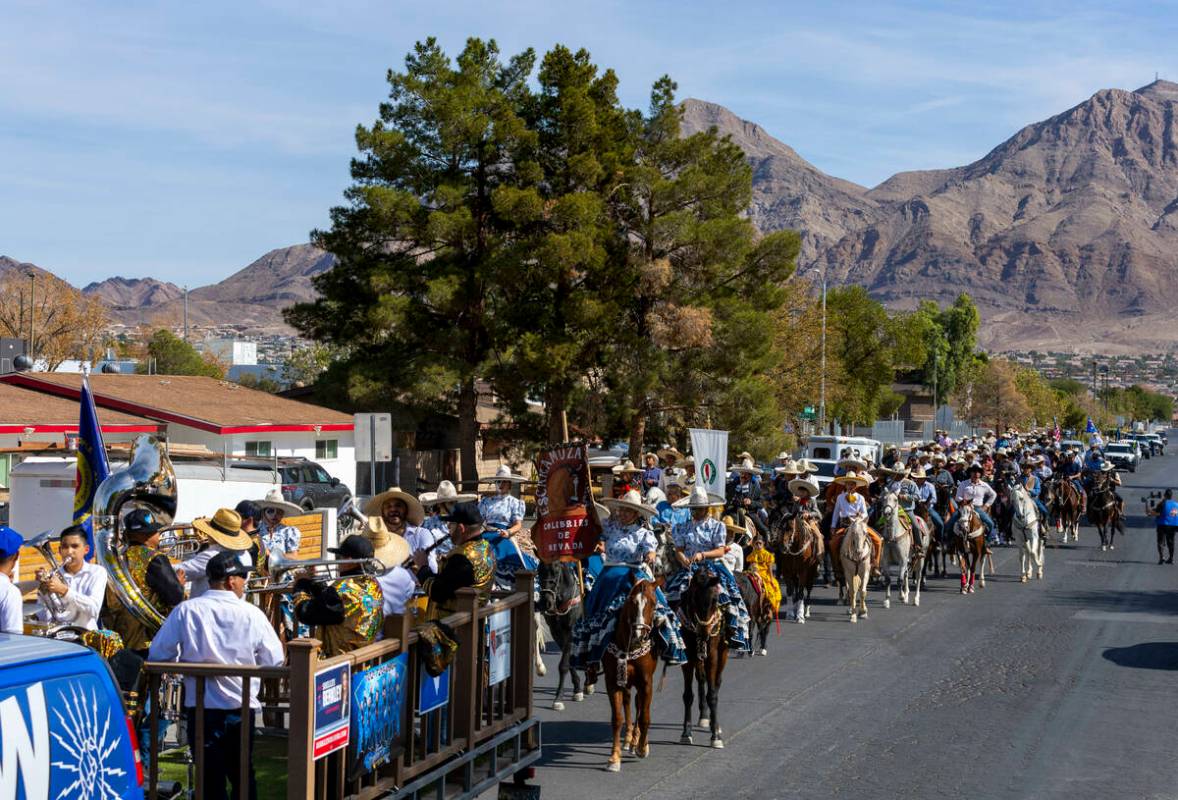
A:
x: 760, y: 563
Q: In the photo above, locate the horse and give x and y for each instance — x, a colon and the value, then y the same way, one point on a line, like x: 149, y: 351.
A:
x: 666, y: 562
x: 559, y: 604
x: 707, y: 651
x: 940, y: 548
x: 629, y: 663
x: 761, y: 610
x: 1001, y: 511
x: 1065, y: 506
x: 855, y: 554
x: 798, y: 556
x: 922, y: 541
x: 896, y: 531
x: 1025, y: 521
x: 970, y: 543
x: 1104, y: 513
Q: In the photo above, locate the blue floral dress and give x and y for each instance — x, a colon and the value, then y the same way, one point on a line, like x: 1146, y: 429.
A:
x: 500, y: 512
x: 625, y: 551
x: 700, y: 536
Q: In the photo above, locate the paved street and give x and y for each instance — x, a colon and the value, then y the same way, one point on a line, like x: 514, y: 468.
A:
x: 1059, y: 688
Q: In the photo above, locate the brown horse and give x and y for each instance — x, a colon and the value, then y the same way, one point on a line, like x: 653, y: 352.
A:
x: 707, y: 650
x: 1104, y: 512
x: 798, y: 556
x: 629, y: 663
x: 970, y: 543
x: 1065, y: 505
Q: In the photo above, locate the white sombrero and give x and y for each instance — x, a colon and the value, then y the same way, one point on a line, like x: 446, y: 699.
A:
x: 631, y: 500
x: 699, y: 498
x: 852, y: 463
x: 788, y: 467
x: 747, y: 466
x: 446, y: 493
x: 800, y: 484
x: 918, y: 473
x: 806, y: 465
x: 274, y: 499
x: 670, y: 452
x: 854, y: 478
x: 504, y: 473
x: 415, y: 512
x: 626, y: 468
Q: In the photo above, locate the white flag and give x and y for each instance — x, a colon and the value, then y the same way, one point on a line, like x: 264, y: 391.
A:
x: 710, y: 450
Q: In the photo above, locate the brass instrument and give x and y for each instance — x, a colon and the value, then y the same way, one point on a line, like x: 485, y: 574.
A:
x: 181, y: 542
x: 322, y: 570
x: 147, y: 481
x: 42, y: 542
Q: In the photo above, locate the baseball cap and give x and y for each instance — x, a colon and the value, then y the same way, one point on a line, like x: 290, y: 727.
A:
x: 465, y: 514
x: 354, y: 547
x: 141, y: 521
x: 10, y: 542
x: 226, y: 564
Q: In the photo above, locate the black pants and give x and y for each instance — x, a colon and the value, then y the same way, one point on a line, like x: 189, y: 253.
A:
x: 1165, y: 542
x: 222, y: 752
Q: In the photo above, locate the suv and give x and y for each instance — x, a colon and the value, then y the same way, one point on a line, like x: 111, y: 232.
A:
x: 1124, y: 454
x: 63, y: 715
x: 307, y: 485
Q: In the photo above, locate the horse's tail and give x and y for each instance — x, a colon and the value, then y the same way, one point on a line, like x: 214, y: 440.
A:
x: 543, y: 632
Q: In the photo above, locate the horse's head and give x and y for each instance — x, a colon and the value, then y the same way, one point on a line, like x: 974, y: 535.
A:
x: 560, y: 587
x: 889, y: 504
x: 637, y: 619
x: 703, y: 595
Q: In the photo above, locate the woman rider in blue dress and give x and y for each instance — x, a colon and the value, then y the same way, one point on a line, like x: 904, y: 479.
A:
x: 700, y: 544
x: 628, y: 546
x: 503, y: 516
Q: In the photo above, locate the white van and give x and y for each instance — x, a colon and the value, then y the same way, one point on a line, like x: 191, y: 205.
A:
x: 833, y: 448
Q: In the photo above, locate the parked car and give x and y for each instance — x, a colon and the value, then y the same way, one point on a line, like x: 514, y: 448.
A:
x: 1126, y: 454
x: 305, y: 483
x: 63, y: 714
x: 1159, y: 444
x: 1146, y: 444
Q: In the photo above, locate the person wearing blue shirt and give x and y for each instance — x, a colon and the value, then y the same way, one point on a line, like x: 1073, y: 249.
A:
x: 653, y: 474
x: 1167, y: 513
x: 927, y: 493
x: 1034, y: 488
x: 503, y: 516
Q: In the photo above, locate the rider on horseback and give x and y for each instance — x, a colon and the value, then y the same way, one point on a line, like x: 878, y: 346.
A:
x: 850, y: 504
x: 980, y: 494
x: 1034, y: 486
x: 927, y: 493
x: 700, y: 543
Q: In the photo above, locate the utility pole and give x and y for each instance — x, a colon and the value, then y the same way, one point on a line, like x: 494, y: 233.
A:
x: 936, y: 405
x: 32, y: 315
x: 822, y: 390
x: 186, y: 313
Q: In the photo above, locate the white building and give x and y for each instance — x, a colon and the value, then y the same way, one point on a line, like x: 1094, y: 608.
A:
x: 234, y: 352
x: 225, y: 417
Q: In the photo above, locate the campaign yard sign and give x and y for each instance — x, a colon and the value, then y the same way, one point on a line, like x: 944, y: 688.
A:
x: 566, y: 519
x: 332, y: 705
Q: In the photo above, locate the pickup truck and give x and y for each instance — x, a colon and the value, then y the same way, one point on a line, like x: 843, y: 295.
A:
x: 62, y: 722
x: 1124, y: 454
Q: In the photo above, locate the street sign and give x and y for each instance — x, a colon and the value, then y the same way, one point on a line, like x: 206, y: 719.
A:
x: 374, y: 435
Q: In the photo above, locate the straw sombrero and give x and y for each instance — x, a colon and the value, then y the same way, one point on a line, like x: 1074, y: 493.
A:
x: 670, y: 452
x: 802, y: 484
x: 918, y: 473
x: 852, y: 463
x: 854, y: 479
x: 747, y: 466
x: 224, y: 528
x: 391, y: 549
x: 446, y: 493
x: 274, y: 499
x: 806, y: 465
x: 416, y: 512
x: 504, y: 473
x: 699, y: 498
x: 626, y: 467
x: 789, y: 467
x: 732, y: 527
x: 631, y: 500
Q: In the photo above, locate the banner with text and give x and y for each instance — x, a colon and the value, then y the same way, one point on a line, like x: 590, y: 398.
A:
x: 710, y: 450
x: 566, y: 519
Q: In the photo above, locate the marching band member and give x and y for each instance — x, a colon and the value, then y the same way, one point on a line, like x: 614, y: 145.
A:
x: 79, y: 589
x: 397, y: 584
x: 403, y: 514
x: 276, y: 537
x: 470, y: 564
x: 437, y: 505
x: 11, y: 604
x: 152, y: 573
x: 223, y: 534
x: 700, y: 543
x: 349, y: 614
x: 251, y: 514
x: 220, y: 627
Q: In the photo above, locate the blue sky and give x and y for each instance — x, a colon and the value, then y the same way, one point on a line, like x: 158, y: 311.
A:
x: 183, y: 140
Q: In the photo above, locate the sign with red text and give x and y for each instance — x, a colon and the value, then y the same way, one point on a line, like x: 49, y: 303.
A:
x: 566, y: 519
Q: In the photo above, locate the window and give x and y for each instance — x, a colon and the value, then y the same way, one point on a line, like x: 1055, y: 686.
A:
x: 321, y: 476
x: 257, y: 449
x: 327, y: 448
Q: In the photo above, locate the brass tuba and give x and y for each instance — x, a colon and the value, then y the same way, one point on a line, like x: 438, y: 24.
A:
x: 147, y: 481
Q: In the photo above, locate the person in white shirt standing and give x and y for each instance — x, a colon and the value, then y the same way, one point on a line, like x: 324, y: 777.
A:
x: 11, y: 607
x: 74, y: 595
x: 220, y: 627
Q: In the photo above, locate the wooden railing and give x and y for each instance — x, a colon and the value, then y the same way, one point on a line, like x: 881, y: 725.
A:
x: 475, y: 714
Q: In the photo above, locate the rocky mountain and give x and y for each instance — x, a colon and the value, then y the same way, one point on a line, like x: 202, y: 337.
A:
x: 1066, y: 234
x: 133, y: 292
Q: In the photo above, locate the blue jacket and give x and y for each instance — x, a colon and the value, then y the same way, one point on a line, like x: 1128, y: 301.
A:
x: 1169, y: 515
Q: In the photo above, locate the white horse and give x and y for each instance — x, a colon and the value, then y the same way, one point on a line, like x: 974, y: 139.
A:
x: 855, y: 553
x: 896, y: 531
x: 1025, y: 520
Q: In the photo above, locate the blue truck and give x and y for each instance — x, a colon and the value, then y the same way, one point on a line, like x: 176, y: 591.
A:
x: 64, y: 732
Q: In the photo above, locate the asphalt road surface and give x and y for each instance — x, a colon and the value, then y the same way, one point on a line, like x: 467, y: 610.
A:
x: 1063, y: 688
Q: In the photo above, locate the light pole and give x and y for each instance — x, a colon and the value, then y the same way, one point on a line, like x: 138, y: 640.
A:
x: 822, y: 389
x: 32, y: 313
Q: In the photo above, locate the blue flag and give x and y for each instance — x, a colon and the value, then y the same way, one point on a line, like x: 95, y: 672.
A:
x: 92, y: 466
x: 1091, y: 427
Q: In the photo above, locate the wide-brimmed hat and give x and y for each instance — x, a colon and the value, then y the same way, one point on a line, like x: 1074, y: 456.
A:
x: 602, y: 511
x: 274, y: 499
x: 1107, y: 466
x: 670, y: 452
x: 645, y: 456
x: 853, y: 478
x: 799, y: 484
x: 806, y: 465
x: 744, y: 455
x: 699, y: 498
x: 626, y: 468
x: 631, y: 500
x: 224, y: 528
x: 678, y: 481
x: 784, y: 455
x: 852, y: 463
x: 747, y: 465
x: 390, y: 548
x: 732, y: 527
x: 655, y: 495
x: 789, y: 467
x: 504, y: 473
x: 415, y: 514
x: 918, y: 473
x: 446, y: 493
x: 895, y: 472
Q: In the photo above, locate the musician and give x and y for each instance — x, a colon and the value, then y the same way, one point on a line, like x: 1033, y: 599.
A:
x: 470, y: 564
x: 350, y: 613
x: 223, y: 534
x: 78, y: 589
x: 11, y: 604
x: 251, y: 515
x: 152, y: 573
x: 403, y: 514
x: 220, y: 627
x: 275, y: 536
x: 397, y: 584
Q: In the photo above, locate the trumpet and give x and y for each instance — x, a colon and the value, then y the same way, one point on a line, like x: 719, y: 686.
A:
x: 42, y: 542
x: 322, y: 570
x: 181, y: 542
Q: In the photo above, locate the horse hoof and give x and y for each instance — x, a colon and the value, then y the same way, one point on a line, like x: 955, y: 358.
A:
x: 578, y: 697
x: 854, y: 619
x: 1023, y: 579
x: 613, y: 766
x: 685, y: 739
x: 1040, y: 575
x: 887, y: 602
x: 863, y: 615
x: 1103, y: 548
x: 590, y: 689
x: 801, y: 620
x: 718, y: 744
x: 916, y: 601
x: 541, y: 670
x: 764, y: 652
x: 704, y: 722
x: 558, y: 706
x: 1112, y: 547
x: 643, y: 752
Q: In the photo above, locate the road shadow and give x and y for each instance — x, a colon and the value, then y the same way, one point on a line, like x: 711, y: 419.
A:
x: 1147, y: 655
x: 1157, y: 602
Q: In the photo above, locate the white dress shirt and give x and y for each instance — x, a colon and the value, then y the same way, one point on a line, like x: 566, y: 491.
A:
x: 845, y: 508
x: 980, y: 493
x: 12, y: 617
x: 419, y: 539
x: 194, y: 568
x: 397, y: 586
x: 218, y: 628
x: 82, y: 604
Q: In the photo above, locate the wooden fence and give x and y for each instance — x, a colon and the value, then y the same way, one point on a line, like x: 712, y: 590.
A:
x: 475, y: 720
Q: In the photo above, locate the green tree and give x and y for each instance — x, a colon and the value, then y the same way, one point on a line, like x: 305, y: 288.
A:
x: 304, y: 365
x: 421, y: 245
x: 950, y: 337
x: 259, y: 382
x: 865, y: 345
x: 168, y: 354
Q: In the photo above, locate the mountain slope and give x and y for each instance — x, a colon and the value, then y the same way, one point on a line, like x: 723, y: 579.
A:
x: 133, y: 292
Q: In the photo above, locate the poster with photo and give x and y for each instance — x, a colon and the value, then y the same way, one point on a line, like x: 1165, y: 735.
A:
x: 499, y: 647
x: 566, y: 519
x: 378, y: 698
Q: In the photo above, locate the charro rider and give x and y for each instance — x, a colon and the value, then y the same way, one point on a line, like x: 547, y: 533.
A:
x: 980, y: 494
x: 849, y: 505
x: 502, y: 517
x: 1034, y: 487
x: 629, y: 547
x: 700, y: 544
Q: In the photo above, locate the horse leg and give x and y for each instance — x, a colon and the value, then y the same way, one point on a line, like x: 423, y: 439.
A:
x: 701, y: 689
x: 853, y: 590
x: 714, y: 698
x: 865, y: 576
x: 631, y: 722
x: 1041, y: 556
x: 688, y: 677
x: 922, y: 564
x: 566, y: 650
x: 642, y: 698
x: 562, y: 670
x: 886, y: 574
x: 538, y: 621
x: 615, y: 706
x: 904, y: 577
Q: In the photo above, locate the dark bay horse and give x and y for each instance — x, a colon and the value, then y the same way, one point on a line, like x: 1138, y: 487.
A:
x: 629, y: 664
x: 1064, y: 505
x: 560, y: 604
x: 1104, y: 512
x: 707, y: 650
x: 798, y: 556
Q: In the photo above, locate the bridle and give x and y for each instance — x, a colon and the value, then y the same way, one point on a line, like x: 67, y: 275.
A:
x: 639, y: 629
x: 555, y: 609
